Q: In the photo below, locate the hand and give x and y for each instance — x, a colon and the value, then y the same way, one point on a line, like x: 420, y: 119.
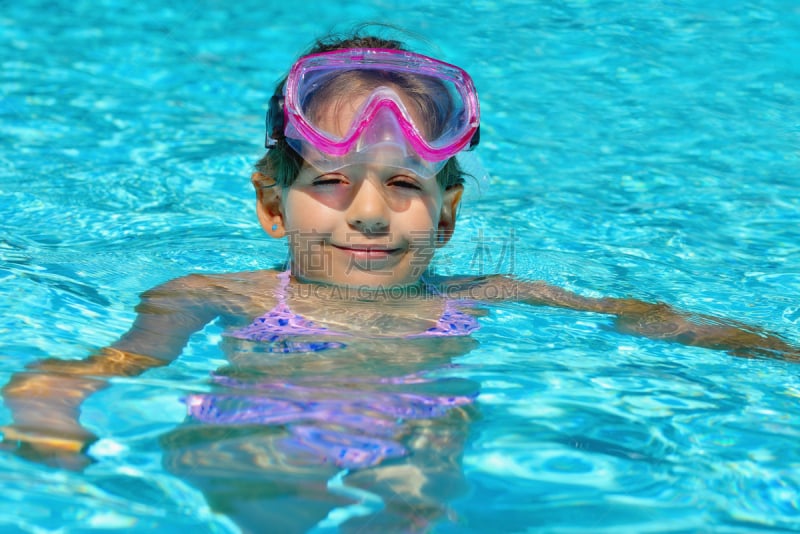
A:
x: 65, y: 451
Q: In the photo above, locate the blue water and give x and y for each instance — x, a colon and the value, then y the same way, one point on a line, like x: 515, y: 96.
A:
x: 646, y: 149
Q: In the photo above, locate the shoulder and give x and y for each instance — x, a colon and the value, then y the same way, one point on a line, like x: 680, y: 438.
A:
x: 480, y: 288
x: 505, y: 288
x: 230, y: 281
x: 227, y: 290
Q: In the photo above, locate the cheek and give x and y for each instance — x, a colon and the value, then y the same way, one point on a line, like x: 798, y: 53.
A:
x: 298, y: 209
x: 429, y: 211
x: 421, y: 225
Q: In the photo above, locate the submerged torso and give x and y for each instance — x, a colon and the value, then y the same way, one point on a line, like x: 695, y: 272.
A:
x: 344, y: 379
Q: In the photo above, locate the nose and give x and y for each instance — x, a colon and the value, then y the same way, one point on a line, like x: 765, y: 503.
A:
x: 368, y: 212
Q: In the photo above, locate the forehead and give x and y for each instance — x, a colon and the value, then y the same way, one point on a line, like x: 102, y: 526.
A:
x: 337, y: 113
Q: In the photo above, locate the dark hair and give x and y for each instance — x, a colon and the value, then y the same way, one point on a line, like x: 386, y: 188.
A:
x: 283, y: 164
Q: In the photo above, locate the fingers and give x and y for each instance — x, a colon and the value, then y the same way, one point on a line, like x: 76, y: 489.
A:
x: 45, y: 442
x: 65, y: 452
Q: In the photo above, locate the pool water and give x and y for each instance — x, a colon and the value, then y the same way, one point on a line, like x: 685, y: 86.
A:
x: 646, y: 149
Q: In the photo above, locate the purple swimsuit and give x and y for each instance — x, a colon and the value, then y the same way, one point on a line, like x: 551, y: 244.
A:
x: 351, y: 427
x: 348, y: 427
x: 278, y: 325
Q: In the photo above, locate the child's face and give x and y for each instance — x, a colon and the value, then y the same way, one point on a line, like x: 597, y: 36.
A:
x: 366, y: 224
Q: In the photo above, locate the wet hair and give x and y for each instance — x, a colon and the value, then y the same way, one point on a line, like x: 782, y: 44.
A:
x: 283, y: 164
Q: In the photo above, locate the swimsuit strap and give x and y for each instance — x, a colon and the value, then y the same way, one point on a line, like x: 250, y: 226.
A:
x: 284, y: 278
x: 452, y: 322
x: 281, y: 320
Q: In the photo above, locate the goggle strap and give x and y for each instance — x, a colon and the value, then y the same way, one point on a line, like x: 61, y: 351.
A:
x: 275, y: 121
x: 476, y: 138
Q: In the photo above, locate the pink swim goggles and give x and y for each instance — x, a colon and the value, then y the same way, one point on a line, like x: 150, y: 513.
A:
x: 375, y: 106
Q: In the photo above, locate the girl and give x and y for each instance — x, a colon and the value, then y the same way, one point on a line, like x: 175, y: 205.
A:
x: 330, y: 357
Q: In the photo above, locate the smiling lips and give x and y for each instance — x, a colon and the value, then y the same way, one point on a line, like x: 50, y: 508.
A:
x: 368, y: 252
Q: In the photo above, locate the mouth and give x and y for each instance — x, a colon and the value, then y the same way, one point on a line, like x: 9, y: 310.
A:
x: 385, y: 249
x: 368, y: 251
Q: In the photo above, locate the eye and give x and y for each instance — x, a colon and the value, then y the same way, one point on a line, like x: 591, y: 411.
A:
x: 404, y: 182
x: 330, y: 179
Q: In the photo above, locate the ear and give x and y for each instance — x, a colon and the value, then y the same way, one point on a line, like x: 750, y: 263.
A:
x: 447, y: 218
x: 268, y: 204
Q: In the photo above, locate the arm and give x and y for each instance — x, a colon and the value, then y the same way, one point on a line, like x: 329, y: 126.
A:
x: 660, y: 321
x: 45, y: 399
x: 653, y: 320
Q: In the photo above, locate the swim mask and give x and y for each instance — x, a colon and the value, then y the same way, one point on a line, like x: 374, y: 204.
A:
x: 416, y: 112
